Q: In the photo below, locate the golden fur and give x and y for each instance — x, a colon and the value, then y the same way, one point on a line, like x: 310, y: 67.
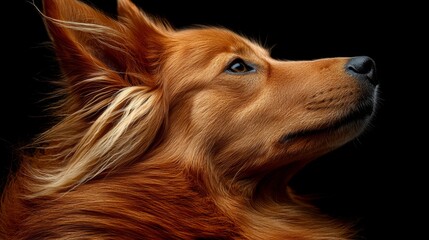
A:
x: 157, y: 141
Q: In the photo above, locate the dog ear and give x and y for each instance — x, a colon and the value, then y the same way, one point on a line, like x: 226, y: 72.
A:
x: 91, y: 46
x: 110, y: 71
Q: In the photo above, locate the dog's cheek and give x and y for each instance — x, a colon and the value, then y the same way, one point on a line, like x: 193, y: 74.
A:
x: 212, y: 108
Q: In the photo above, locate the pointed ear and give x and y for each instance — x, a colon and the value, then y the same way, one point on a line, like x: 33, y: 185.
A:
x: 143, y: 28
x: 110, y: 69
x: 94, y: 49
x: 130, y: 13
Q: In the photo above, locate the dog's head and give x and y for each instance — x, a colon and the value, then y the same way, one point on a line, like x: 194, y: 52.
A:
x: 207, y: 94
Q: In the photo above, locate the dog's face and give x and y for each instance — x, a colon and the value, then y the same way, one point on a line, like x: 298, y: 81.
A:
x: 251, y: 112
x: 204, y: 91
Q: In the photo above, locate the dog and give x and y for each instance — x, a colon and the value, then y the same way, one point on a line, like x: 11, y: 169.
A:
x: 180, y: 134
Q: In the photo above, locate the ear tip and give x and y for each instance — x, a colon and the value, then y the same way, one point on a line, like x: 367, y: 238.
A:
x: 125, y: 4
x: 124, y: 1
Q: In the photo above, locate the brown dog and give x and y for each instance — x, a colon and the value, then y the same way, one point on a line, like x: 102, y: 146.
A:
x: 190, y: 134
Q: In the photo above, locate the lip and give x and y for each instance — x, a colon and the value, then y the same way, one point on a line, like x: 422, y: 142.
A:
x: 360, y: 112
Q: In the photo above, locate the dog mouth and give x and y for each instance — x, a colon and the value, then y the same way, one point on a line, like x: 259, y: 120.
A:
x: 360, y: 113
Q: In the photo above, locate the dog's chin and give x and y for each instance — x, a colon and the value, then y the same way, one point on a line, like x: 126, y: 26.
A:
x: 343, y: 128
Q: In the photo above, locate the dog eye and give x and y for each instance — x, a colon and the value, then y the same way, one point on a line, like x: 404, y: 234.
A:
x: 238, y: 66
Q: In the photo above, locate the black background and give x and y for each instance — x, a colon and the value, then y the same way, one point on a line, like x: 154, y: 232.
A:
x: 375, y: 180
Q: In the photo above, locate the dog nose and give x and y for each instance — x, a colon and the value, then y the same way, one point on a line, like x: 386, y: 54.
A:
x: 363, y: 69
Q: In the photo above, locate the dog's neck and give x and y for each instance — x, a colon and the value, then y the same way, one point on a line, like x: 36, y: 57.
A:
x: 252, y: 202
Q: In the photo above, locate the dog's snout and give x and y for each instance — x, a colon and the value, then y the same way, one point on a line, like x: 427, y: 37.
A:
x: 362, y: 68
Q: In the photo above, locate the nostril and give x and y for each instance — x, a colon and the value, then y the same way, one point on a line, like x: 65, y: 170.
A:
x: 362, y: 68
